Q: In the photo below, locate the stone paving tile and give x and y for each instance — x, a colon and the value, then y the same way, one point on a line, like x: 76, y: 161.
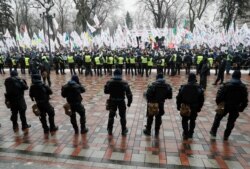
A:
x: 234, y: 164
x: 98, y: 150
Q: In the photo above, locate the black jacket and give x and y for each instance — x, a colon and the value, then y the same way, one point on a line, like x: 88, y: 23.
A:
x: 39, y: 91
x: 118, y: 88
x: 159, y: 91
x: 234, y: 94
x: 15, y: 88
x: 72, y: 92
x: 191, y: 94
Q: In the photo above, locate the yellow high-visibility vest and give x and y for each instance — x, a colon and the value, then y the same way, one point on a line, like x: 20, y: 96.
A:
x: 150, y: 62
x: 27, y: 61
x: 70, y: 59
x: 87, y: 58
x: 144, y: 60
x: 97, y: 61
x: 199, y: 59
x: 110, y: 60
x: 132, y: 60
x: 162, y: 62
x: 120, y: 60
x: 211, y: 61
x: 13, y: 62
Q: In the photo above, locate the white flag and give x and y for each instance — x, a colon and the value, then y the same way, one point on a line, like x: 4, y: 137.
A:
x: 96, y: 20
x: 7, y: 34
x: 55, y: 23
x: 92, y: 29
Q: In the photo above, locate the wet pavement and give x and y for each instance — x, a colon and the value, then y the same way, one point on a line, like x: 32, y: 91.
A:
x: 96, y: 149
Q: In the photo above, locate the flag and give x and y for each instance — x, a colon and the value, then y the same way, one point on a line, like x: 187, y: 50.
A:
x: 96, y: 20
x: 55, y: 23
x: 18, y: 36
x: 92, y: 29
x: 7, y: 34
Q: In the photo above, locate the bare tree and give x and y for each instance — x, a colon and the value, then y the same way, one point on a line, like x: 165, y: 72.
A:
x: 23, y: 14
x: 160, y: 10
x: 196, y: 10
x: 88, y: 8
x: 63, y: 8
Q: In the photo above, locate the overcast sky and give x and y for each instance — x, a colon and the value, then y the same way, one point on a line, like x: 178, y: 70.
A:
x: 129, y: 5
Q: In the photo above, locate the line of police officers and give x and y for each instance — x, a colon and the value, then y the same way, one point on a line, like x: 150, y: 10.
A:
x: 135, y: 62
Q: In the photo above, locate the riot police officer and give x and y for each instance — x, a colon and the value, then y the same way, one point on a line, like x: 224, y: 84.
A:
x: 234, y: 94
x: 157, y: 92
x: 192, y: 95
x: 15, y: 88
x: 41, y: 94
x: 72, y: 92
x: 117, y: 89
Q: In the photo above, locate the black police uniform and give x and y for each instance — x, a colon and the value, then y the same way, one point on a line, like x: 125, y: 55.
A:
x: 72, y: 92
x: 157, y: 92
x: 40, y: 93
x: 118, y: 88
x: 15, y: 95
x: 234, y: 94
x: 222, y: 68
x: 191, y: 94
x: 204, y: 72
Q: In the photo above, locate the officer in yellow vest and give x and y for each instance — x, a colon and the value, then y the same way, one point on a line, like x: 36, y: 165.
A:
x: 14, y: 64
x: 132, y: 61
x: 87, y: 61
x: 199, y: 58
x: 71, y: 63
x: 150, y: 65
x: 2, y: 64
x: 27, y: 63
x: 160, y: 65
x: 173, y: 64
x: 98, y: 63
x: 211, y: 62
x: 127, y: 69
x: 144, y: 61
x: 110, y: 62
x: 120, y: 62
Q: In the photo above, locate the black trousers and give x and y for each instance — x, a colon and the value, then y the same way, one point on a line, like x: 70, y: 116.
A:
x: 79, y: 108
x: 46, y: 109
x: 88, y: 69
x: 109, y: 69
x: 230, y: 122
x: 57, y: 68
x: 220, y: 77
x: 99, y: 70
x: 72, y: 68
x: 188, y: 129
x: 2, y: 69
x: 18, y: 106
x: 127, y: 69
x: 144, y: 67
x: 158, y: 119
x: 121, y: 106
x: 132, y: 68
x: 62, y: 68
x: 203, y: 81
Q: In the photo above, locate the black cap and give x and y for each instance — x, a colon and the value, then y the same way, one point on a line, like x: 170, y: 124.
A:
x: 117, y: 73
x: 192, y: 77
x: 75, y: 78
x: 13, y: 73
x: 236, y: 74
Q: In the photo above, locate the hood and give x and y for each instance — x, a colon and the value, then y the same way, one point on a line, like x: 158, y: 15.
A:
x: 160, y: 80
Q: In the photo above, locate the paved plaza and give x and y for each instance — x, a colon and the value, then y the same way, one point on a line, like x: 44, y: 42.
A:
x: 96, y: 149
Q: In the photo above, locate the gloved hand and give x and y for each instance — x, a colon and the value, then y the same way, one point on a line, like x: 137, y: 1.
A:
x: 128, y: 104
